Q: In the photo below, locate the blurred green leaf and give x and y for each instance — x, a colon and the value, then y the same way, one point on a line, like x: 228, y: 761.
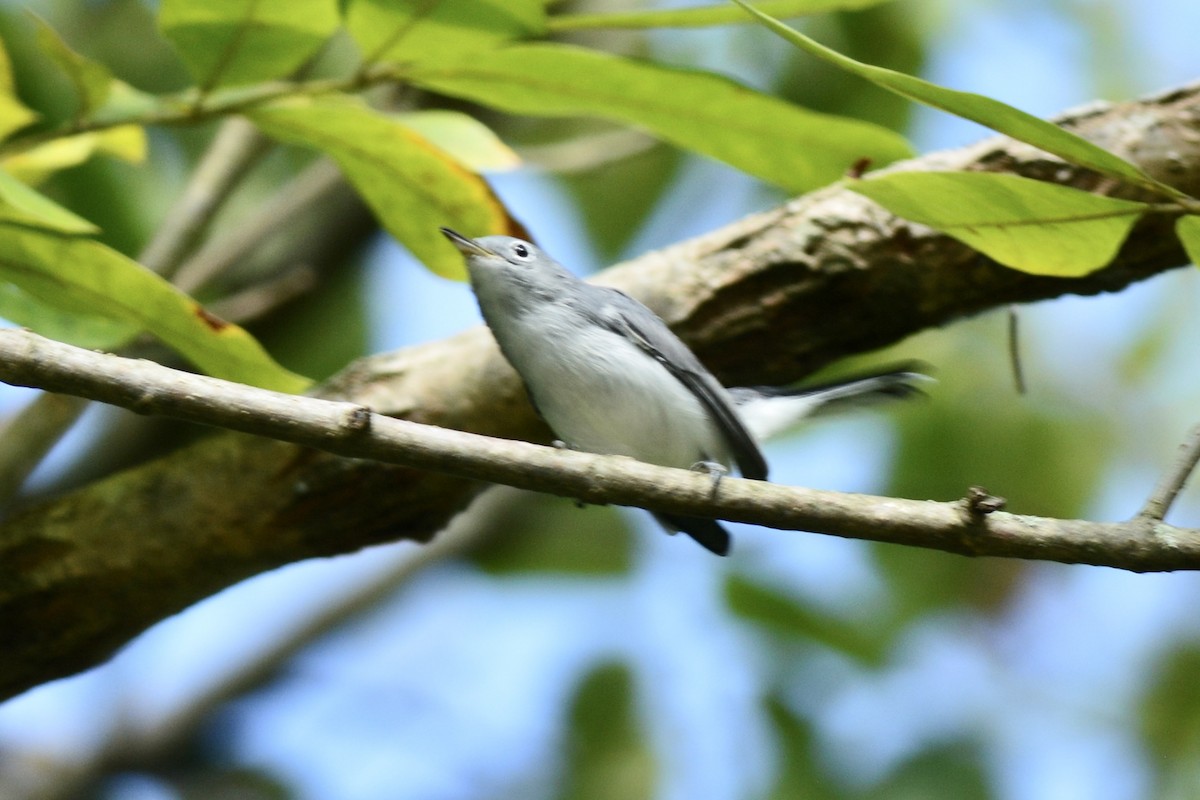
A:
x: 22, y: 205
x: 549, y: 534
x: 468, y: 140
x: 699, y: 16
x: 986, y: 111
x: 1171, y: 709
x: 231, y: 42
x: 90, y: 79
x: 413, y: 186
x: 1035, y: 227
x: 14, y: 114
x: 73, y: 327
x: 1188, y: 231
x: 766, y: 137
x: 954, y: 769
x: 608, y: 757
x: 82, y: 276
x: 800, y: 774
x: 32, y: 166
x: 413, y: 30
x: 785, y: 615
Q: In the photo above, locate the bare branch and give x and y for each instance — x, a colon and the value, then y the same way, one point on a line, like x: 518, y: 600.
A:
x: 1175, y: 479
x: 349, y: 429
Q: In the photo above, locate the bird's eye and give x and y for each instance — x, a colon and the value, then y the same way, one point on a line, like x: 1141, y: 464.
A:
x: 520, y: 250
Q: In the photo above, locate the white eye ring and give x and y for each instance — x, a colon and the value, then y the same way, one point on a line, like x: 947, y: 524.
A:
x: 521, y: 251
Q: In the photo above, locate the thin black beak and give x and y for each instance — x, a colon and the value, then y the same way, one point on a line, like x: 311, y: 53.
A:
x: 468, y: 247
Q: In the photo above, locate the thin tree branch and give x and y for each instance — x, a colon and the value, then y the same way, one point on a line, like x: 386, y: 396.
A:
x: 1174, y: 479
x: 349, y: 429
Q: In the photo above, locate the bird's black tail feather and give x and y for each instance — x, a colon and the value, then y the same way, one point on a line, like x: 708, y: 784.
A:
x: 708, y: 532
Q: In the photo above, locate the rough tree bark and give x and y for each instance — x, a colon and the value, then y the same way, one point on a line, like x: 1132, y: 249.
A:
x: 823, y: 276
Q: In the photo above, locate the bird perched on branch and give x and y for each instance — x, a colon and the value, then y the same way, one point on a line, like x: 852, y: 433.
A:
x: 608, y: 376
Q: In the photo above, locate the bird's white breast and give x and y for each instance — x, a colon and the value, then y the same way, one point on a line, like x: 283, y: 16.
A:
x: 601, y: 393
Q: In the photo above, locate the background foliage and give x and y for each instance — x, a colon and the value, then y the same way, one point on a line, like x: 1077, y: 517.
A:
x: 546, y: 651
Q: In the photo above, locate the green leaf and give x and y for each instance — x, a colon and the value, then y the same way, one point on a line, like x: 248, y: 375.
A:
x: 994, y: 114
x: 700, y: 16
x: 413, y: 30
x: 82, y: 276
x: 22, y: 205
x: 785, y: 615
x: 90, y: 79
x: 1035, y: 227
x: 231, y: 42
x: 607, y: 755
x: 82, y: 330
x: 32, y: 166
x: 468, y: 140
x: 14, y: 114
x: 1188, y: 231
x: 766, y: 137
x: 412, y: 186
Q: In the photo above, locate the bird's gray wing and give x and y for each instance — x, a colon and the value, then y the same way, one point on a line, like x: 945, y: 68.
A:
x: 627, y: 317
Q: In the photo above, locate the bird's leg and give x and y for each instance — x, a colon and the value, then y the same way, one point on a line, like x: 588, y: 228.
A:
x: 715, y: 471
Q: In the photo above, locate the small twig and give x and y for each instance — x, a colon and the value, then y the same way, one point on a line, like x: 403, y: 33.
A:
x: 311, y: 187
x: 1176, y: 477
x: 235, y: 148
x: 29, y: 434
x: 1014, y: 350
x: 255, y: 301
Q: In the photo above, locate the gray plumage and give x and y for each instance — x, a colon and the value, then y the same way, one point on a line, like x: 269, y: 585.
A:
x: 607, y: 374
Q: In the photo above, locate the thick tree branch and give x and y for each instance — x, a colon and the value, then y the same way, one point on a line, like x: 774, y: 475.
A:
x: 825, y: 275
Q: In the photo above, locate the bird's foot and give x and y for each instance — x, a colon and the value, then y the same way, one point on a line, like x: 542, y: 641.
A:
x: 715, y: 471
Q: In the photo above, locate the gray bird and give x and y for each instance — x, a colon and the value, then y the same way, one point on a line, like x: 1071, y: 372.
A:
x: 608, y: 376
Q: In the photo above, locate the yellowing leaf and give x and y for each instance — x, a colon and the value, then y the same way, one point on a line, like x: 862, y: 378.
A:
x: 230, y: 42
x: 468, y: 140
x: 412, y: 186
x: 759, y: 134
x: 1188, y: 231
x: 82, y: 276
x: 994, y: 114
x: 1035, y: 227
x: 127, y: 142
x: 413, y: 30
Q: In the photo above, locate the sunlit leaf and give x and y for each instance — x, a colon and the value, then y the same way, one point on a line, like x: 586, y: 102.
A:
x: 22, y: 205
x: 471, y: 142
x: 986, y: 111
x: 14, y: 115
x: 1036, y: 227
x: 774, y: 140
x: 785, y: 615
x: 1188, y: 231
x: 32, y: 166
x: 73, y: 327
x: 412, y: 186
x: 230, y: 42
x: 412, y: 30
x: 607, y: 752
x: 80, y: 275
x: 90, y: 79
x: 700, y: 16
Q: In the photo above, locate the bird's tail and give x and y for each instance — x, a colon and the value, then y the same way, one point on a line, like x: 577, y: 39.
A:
x: 768, y: 410
x: 708, y: 532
